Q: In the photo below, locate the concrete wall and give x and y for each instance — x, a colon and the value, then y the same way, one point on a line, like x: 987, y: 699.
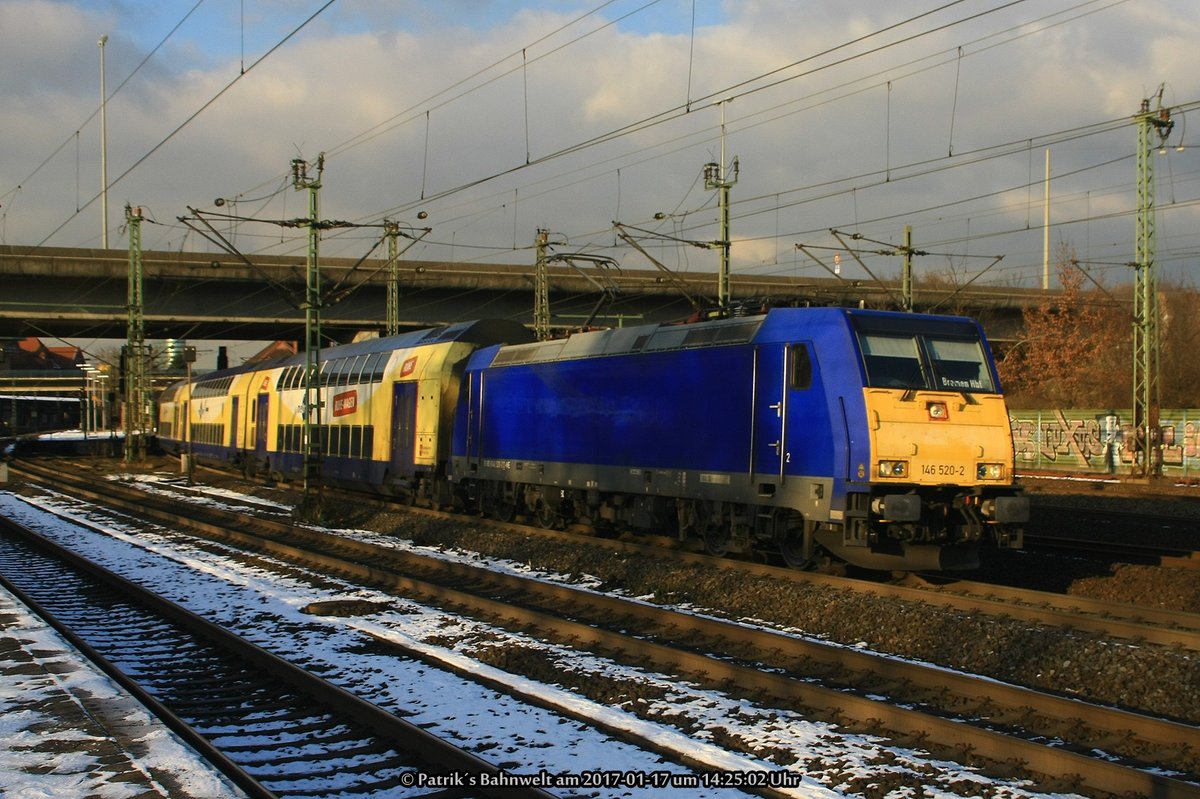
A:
x: 1100, y: 441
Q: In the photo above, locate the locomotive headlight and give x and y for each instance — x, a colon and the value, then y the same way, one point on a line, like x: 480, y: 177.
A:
x: 893, y: 469
x: 938, y: 411
x: 989, y: 471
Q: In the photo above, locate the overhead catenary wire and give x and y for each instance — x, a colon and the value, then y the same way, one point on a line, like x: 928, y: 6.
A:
x: 75, y: 135
x: 1119, y: 123
x: 525, y: 195
x: 220, y: 92
x: 945, y: 6
x: 732, y: 91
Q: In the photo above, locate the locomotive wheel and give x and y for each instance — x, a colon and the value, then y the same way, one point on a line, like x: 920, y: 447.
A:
x: 716, y: 540
x: 506, y: 505
x: 796, y: 547
x: 501, y: 504
x: 548, y: 517
x: 709, y: 526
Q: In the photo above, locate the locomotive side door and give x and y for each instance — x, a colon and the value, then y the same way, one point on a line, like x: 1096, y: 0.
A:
x: 474, y: 421
x: 768, y: 448
x: 404, y: 424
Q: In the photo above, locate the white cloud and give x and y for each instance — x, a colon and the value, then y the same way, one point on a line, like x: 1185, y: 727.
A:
x: 376, y: 68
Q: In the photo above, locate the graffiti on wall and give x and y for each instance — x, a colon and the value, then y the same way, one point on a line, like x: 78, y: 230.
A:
x: 1099, y: 440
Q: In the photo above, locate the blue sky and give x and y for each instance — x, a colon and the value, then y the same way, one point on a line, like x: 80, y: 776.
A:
x: 499, y: 118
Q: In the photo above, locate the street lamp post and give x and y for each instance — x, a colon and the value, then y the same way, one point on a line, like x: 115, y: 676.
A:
x: 103, y: 150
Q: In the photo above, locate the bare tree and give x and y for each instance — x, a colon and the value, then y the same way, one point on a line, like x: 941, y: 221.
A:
x: 1076, y: 350
x: 1179, y: 331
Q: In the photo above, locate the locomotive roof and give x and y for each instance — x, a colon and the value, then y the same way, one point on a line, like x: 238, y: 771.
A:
x: 643, y: 338
x: 737, y: 330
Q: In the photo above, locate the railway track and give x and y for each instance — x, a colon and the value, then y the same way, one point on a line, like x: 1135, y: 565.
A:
x: 996, y: 722
x: 1131, y: 536
x: 1141, y: 623
x: 273, y: 728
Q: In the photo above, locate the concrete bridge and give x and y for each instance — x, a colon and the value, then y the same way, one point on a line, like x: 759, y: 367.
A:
x: 72, y: 293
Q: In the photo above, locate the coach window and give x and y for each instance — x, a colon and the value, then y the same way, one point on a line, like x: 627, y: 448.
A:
x: 801, y: 368
x: 377, y: 365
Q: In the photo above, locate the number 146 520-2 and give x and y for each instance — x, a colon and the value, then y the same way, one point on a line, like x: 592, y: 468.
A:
x: 943, y: 470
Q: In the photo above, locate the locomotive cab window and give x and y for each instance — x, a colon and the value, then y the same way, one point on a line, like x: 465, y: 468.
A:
x: 959, y: 365
x: 892, y: 361
x: 923, y: 354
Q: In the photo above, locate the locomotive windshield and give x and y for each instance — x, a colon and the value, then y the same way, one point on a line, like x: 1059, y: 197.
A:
x: 931, y: 359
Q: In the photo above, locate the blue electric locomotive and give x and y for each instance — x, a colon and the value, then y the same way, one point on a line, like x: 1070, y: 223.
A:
x: 877, y: 438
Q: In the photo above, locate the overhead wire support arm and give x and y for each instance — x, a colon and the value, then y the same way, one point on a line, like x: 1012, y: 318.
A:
x: 807, y: 249
x: 854, y: 254
x: 336, y: 293
x: 995, y: 260
x: 213, y: 235
x: 671, y: 276
x: 907, y: 250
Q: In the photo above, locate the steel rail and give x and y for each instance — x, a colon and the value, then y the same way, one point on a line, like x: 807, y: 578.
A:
x: 428, y: 748
x: 1138, y: 623
x: 1057, y: 762
x: 1171, y: 557
x: 1182, y: 532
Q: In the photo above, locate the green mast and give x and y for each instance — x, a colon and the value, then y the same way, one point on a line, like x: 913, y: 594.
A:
x: 312, y: 337
x: 135, y: 346
x: 1147, y: 461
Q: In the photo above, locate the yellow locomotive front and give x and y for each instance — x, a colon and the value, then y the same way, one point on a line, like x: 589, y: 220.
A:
x: 939, y: 459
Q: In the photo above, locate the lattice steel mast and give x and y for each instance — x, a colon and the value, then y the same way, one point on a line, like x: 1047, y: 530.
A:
x: 1147, y: 460
x: 135, y: 346
x: 312, y: 334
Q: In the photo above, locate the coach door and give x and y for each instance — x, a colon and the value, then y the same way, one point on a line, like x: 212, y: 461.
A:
x: 404, y: 427
x: 260, y: 425
x: 233, y: 422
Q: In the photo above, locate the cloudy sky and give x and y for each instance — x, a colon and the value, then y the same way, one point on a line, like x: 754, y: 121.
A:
x: 495, y: 119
